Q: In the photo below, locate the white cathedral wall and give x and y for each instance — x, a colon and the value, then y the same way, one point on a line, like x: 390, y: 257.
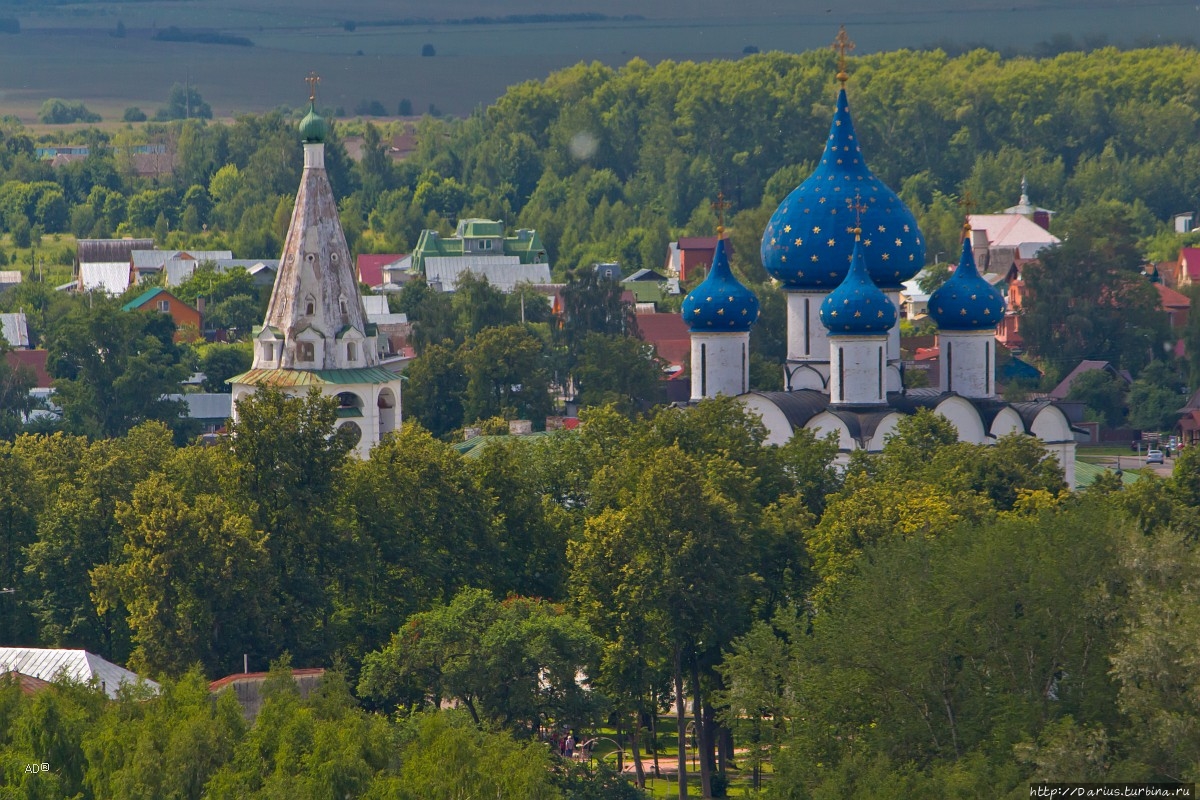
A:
x: 965, y: 419
x: 966, y: 362
x: 826, y: 423
x: 857, y: 369
x: 1054, y: 429
x: 807, y: 338
x: 894, y: 380
x: 885, y: 429
x: 810, y: 375
x: 779, y: 430
x: 720, y: 364
x: 1006, y: 422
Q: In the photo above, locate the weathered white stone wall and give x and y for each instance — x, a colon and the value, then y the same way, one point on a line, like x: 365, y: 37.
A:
x: 967, y: 362
x: 720, y: 364
x: 965, y: 419
x: 807, y: 338
x: 857, y: 367
x: 779, y: 430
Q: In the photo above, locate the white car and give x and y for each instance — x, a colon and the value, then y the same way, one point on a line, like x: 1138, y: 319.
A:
x: 1154, y: 456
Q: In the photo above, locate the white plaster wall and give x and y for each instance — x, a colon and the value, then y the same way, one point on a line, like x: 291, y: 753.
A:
x: 825, y: 423
x: 1006, y: 422
x: 969, y: 363
x: 779, y: 430
x: 724, y: 367
x: 965, y: 419
x: 859, y: 369
x: 1054, y: 429
x: 806, y: 336
x: 806, y: 375
x: 885, y: 429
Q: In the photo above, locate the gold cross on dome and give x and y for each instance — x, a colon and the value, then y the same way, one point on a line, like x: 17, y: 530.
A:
x: 719, y: 206
x: 842, y: 45
x: 856, y: 205
x: 967, y: 204
x: 312, y: 80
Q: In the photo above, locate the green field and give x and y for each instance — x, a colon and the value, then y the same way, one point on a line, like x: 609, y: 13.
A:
x: 69, y: 51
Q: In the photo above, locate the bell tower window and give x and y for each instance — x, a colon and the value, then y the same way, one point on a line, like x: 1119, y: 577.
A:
x: 307, y: 351
x: 351, y: 351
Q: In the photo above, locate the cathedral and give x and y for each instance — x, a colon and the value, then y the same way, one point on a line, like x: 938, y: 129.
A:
x: 840, y: 246
x: 316, y: 333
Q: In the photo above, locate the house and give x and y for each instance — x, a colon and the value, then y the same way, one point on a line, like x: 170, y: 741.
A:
x: 689, y: 258
x: 914, y: 301
x: 9, y: 278
x: 1189, y: 267
x: 149, y: 264
x: 647, y: 286
x: 376, y: 270
x: 28, y: 684
x: 669, y: 336
x: 187, y: 319
x: 14, y: 330
x: 1063, y: 389
x: 103, y: 265
x: 76, y: 665
x: 1176, y: 306
x: 178, y: 269
x: 480, y: 238
x: 1188, y: 426
x: 393, y: 329
x: 210, y: 409
x: 248, y: 687
x: 503, y: 272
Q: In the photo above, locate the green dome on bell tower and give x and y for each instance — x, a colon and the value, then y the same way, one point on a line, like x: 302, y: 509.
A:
x: 313, y: 128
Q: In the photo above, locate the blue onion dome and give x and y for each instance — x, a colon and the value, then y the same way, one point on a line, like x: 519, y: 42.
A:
x: 720, y: 302
x: 857, y: 306
x: 313, y: 128
x: 966, y: 302
x: 805, y: 246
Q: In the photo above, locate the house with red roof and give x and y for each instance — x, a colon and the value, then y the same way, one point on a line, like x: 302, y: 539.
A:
x: 377, y: 269
x: 690, y: 257
x: 1189, y: 267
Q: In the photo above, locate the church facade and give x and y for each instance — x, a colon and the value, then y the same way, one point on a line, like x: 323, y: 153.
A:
x: 840, y: 245
x: 316, y: 334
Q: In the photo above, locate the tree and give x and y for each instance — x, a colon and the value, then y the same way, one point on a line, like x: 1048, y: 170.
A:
x: 56, y: 111
x: 617, y: 369
x: 1104, y: 395
x: 435, y: 390
x: 507, y: 375
x: 221, y: 362
x: 114, y: 369
x: 287, y: 459
x: 514, y: 662
x: 184, y: 102
x: 133, y: 114
x: 15, y: 401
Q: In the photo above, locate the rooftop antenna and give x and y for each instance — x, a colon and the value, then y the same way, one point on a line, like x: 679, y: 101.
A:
x: 842, y: 45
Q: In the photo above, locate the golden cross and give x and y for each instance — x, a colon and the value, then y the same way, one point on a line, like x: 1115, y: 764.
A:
x: 719, y: 206
x: 312, y: 80
x: 856, y: 205
x: 842, y: 45
x: 967, y: 204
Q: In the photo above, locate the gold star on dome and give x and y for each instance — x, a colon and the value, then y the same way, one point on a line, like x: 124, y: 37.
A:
x: 858, y: 313
x: 816, y: 228
x: 830, y: 242
x: 708, y: 299
x: 799, y: 242
x: 833, y: 313
x: 821, y: 200
x: 880, y: 314
x: 745, y: 311
x: 886, y: 256
x: 787, y: 228
x: 882, y: 228
x: 987, y: 312
x: 866, y: 242
x: 962, y: 312
x: 697, y: 311
x: 772, y: 241
x: 906, y: 229
x: 783, y: 259
x: 814, y: 258
x: 720, y: 312
x: 972, y: 297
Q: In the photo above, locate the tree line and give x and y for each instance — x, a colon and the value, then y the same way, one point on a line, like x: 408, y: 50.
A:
x: 938, y: 616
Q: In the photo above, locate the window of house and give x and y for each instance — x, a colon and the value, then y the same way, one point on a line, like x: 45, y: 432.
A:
x: 164, y: 306
x: 351, y: 351
x: 310, y: 308
x: 268, y: 351
x: 307, y: 351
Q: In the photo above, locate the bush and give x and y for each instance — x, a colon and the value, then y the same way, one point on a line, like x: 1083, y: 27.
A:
x: 428, y: 51
x: 134, y: 114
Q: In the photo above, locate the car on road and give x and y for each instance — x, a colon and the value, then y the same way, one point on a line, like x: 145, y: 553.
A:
x: 1154, y: 456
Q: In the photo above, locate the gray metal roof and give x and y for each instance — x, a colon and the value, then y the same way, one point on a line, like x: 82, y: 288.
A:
x: 179, y: 270
x: 155, y: 259
x: 110, y: 277
x: 208, y: 405
x: 77, y: 665
x: 502, y: 272
x: 109, y: 249
x: 14, y: 329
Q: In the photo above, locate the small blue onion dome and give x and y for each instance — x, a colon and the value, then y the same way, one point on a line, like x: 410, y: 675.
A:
x: 720, y: 302
x: 857, y: 306
x: 313, y: 128
x: 966, y: 302
x: 805, y: 244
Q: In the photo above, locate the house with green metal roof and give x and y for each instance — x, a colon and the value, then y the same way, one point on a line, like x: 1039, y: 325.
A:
x: 479, y: 237
x: 188, y: 320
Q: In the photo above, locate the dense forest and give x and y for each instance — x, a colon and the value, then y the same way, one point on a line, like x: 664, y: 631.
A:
x: 938, y: 620
x: 941, y: 619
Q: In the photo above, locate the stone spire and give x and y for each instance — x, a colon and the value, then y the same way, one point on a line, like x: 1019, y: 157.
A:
x: 315, y: 304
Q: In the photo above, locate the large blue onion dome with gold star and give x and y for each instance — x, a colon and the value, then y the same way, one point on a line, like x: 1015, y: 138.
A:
x: 857, y: 306
x: 966, y: 302
x: 720, y: 302
x: 805, y: 244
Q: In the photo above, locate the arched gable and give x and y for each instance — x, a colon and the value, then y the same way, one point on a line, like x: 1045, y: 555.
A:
x: 1007, y: 421
x: 964, y: 417
x: 826, y: 423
